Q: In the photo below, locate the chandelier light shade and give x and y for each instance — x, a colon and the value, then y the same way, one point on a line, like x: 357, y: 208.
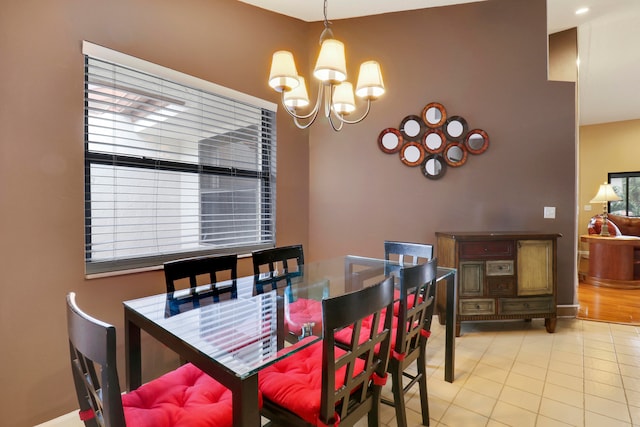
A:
x: 343, y: 100
x: 298, y: 96
x: 605, y: 194
x: 283, y: 75
x: 331, y: 66
x: 335, y: 93
x: 370, y: 85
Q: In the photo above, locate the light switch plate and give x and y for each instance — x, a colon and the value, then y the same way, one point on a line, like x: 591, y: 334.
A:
x: 550, y: 212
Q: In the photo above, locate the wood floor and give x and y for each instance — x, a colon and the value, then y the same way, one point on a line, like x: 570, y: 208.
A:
x: 608, y: 304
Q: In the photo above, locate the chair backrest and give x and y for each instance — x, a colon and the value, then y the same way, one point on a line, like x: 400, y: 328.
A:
x: 191, y: 268
x: 417, y: 295
x: 408, y: 252
x: 276, y: 266
x: 91, y: 343
x: 349, y: 310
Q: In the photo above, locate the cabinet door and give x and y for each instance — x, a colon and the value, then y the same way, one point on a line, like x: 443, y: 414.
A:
x: 535, y: 267
x: 471, y: 278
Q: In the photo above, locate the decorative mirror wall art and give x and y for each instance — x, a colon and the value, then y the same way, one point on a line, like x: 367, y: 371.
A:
x: 390, y: 140
x: 433, y: 140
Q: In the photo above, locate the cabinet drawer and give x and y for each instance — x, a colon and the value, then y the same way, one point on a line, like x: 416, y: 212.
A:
x: 470, y: 307
x: 526, y: 305
x: 490, y: 249
x: 500, y: 268
x: 471, y: 280
x: 501, y: 286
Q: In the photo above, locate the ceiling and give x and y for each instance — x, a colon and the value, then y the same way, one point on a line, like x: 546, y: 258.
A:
x: 608, y: 44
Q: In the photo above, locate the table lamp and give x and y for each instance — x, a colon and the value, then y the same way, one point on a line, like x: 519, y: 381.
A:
x: 606, y: 194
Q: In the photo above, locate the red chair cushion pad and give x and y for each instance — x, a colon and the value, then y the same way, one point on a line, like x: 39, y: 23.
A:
x: 410, y: 299
x: 295, y: 383
x: 303, y: 311
x: 186, y: 397
x: 344, y: 336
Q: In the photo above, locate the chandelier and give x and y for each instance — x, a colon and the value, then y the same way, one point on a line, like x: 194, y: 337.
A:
x: 335, y: 94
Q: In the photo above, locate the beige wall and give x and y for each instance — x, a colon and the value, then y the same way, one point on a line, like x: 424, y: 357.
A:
x: 604, y: 148
x: 336, y: 193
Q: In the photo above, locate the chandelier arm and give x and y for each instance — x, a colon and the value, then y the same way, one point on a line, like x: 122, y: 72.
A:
x: 301, y: 125
x: 333, y: 125
x: 312, y: 115
x: 353, y: 122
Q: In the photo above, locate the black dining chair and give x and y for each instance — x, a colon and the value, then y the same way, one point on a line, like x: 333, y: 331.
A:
x: 183, y: 397
x: 278, y: 268
x: 404, y: 254
x: 407, y: 252
x: 413, y: 328
x: 325, y: 384
x: 209, y: 266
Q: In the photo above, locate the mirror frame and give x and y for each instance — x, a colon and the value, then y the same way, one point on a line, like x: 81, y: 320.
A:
x: 420, y: 123
x: 443, y: 114
x: 464, y: 124
x: 412, y: 144
x: 460, y: 162
x: 485, y: 144
x: 397, y: 133
x: 443, y: 140
x: 434, y: 157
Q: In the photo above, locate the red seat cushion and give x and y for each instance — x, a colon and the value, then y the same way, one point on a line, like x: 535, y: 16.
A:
x: 396, y: 305
x: 344, y: 336
x: 295, y: 382
x: 303, y: 311
x: 186, y: 397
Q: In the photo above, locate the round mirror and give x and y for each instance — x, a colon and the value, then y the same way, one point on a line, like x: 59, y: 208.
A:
x: 390, y: 140
x: 455, y: 128
x: 434, y: 114
x: 477, y: 141
x: 434, y: 141
x: 411, y: 127
x: 434, y: 166
x: 455, y: 154
x: 411, y: 154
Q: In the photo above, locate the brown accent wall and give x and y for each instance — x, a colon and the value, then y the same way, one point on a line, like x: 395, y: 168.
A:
x: 563, y: 55
x: 487, y: 62
x: 336, y: 192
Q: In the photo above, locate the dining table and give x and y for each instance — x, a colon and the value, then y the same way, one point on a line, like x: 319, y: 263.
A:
x: 233, y: 339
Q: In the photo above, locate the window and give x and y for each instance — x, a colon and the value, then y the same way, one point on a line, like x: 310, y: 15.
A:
x: 627, y: 186
x: 174, y: 166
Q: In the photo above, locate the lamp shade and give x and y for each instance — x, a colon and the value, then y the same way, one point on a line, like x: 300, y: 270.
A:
x: 606, y: 193
x: 343, y: 100
x: 297, y: 97
x: 370, y: 84
x: 283, y: 75
x: 331, y: 66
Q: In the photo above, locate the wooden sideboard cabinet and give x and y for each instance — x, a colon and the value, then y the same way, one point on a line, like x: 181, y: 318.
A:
x: 501, y: 275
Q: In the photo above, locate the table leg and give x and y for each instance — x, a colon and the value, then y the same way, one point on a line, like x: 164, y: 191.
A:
x: 132, y: 354
x: 450, y: 331
x: 246, y: 412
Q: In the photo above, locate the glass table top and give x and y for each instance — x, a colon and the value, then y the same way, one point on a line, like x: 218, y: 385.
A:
x: 245, y: 334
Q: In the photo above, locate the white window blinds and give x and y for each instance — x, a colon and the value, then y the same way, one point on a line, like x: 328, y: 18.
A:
x: 174, y: 166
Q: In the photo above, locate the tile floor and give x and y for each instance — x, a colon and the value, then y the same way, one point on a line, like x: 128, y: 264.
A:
x: 516, y: 374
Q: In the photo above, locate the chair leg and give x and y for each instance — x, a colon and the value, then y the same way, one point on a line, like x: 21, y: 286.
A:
x: 422, y: 372
x: 398, y: 393
x: 373, y: 417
